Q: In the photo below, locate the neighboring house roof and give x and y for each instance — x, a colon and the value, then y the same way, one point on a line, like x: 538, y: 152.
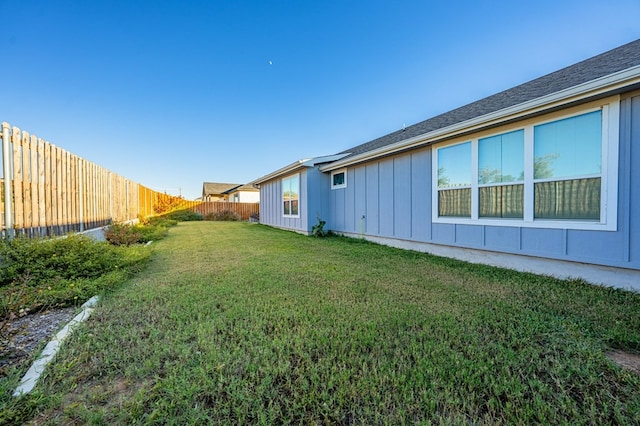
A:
x: 598, y: 76
x: 245, y: 188
x: 216, y: 188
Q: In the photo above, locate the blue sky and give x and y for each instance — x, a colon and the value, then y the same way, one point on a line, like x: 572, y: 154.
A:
x: 174, y: 93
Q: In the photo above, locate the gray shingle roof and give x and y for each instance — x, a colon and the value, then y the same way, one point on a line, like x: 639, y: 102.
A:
x: 217, y: 188
x: 245, y: 187
x: 607, y: 63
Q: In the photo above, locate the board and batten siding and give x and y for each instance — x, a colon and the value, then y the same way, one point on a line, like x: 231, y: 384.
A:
x: 311, y: 208
x: 391, y: 198
x: 386, y: 198
x: 271, y: 207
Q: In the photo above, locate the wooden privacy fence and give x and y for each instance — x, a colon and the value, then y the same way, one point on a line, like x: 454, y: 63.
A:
x: 243, y: 210
x: 46, y: 190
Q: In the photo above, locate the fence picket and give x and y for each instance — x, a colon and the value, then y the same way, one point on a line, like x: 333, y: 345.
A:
x: 33, y: 181
x: 243, y: 210
x: 26, y: 180
x: 48, y: 190
x: 18, y: 207
x: 42, y: 210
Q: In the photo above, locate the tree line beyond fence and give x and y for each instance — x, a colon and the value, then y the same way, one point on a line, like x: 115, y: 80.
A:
x: 46, y: 190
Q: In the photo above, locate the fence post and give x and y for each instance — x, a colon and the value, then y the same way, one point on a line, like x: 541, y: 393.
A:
x: 7, y: 175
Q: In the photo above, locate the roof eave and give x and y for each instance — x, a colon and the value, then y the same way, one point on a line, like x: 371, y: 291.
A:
x: 280, y: 172
x: 298, y: 165
x: 603, y: 85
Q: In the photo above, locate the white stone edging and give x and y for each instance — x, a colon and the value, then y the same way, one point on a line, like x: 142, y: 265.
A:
x: 31, y: 377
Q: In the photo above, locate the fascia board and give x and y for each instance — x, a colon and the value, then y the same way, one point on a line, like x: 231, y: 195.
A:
x: 280, y: 172
x: 609, y: 83
x: 307, y: 162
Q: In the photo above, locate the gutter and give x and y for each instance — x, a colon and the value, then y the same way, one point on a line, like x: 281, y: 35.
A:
x: 592, y: 88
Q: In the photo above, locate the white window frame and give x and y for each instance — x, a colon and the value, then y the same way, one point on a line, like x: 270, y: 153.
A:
x: 282, y: 196
x: 337, y: 172
x: 610, y: 108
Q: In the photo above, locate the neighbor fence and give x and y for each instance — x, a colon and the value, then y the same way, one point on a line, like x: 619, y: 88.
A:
x: 46, y: 190
x: 244, y: 211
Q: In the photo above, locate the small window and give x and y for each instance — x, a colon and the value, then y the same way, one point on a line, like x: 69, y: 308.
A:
x: 290, y: 195
x: 339, y: 179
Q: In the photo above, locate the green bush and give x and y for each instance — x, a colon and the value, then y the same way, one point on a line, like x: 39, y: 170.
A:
x: 36, y: 273
x: 226, y: 215
x: 122, y: 234
x: 317, y: 230
x: 151, y: 233
x: 185, y: 215
x: 72, y: 257
x: 161, y: 221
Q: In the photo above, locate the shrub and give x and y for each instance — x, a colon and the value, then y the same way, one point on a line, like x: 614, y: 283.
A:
x: 72, y: 257
x: 184, y: 215
x: 122, y: 234
x: 161, y: 221
x: 36, y: 261
x: 37, y: 273
x: 225, y: 215
x: 317, y: 230
x: 151, y: 232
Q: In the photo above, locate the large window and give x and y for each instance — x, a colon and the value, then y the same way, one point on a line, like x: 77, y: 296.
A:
x: 291, y: 195
x: 567, y: 168
x: 559, y: 173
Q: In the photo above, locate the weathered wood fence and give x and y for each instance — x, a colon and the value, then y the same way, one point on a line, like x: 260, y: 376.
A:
x: 46, y: 190
x: 243, y: 210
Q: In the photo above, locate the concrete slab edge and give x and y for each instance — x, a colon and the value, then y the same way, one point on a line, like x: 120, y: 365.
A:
x: 31, y: 377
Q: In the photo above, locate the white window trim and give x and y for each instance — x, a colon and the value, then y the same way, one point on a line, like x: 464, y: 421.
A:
x: 609, y: 193
x: 290, y: 216
x: 337, y: 172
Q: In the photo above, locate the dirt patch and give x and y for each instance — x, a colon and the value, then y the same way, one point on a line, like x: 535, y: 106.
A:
x: 625, y: 360
x: 20, y: 336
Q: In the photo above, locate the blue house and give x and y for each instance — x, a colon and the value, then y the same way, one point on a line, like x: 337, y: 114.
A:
x: 542, y: 177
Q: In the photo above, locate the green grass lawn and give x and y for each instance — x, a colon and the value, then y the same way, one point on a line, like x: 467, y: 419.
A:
x: 235, y: 323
